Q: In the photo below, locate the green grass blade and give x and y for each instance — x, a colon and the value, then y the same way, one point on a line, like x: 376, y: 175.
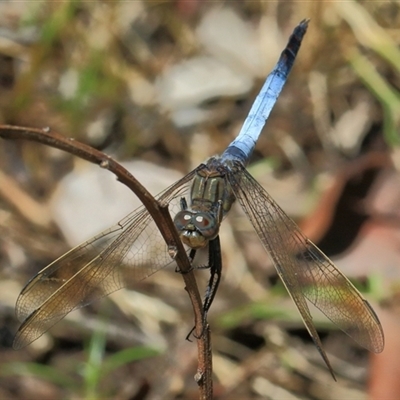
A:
x: 126, y: 356
x: 45, y: 372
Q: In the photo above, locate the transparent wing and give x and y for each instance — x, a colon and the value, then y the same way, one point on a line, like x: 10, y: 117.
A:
x: 305, y: 271
x: 130, y: 251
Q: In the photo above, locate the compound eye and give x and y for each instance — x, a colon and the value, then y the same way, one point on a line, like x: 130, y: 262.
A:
x: 202, y: 222
x: 206, y: 225
x: 182, y: 219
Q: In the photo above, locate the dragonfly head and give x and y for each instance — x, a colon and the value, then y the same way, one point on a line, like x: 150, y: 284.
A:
x: 196, y: 228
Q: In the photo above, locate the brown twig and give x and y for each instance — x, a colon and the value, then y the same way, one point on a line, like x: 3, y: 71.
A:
x: 161, y: 217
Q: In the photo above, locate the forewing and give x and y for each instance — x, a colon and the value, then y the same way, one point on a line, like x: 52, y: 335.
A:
x: 304, y: 269
x: 130, y: 251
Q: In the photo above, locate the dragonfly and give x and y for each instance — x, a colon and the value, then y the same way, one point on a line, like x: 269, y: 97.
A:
x: 134, y: 248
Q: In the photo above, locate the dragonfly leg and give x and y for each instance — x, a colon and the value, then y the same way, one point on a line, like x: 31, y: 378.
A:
x: 192, y: 254
x: 183, y: 204
x: 215, y: 265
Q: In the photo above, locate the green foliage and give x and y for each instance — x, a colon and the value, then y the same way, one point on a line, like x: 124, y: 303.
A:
x: 45, y: 372
x: 97, y: 367
x: 371, y: 35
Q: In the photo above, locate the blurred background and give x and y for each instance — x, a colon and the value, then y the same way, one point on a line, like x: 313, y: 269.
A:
x: 161, y: 86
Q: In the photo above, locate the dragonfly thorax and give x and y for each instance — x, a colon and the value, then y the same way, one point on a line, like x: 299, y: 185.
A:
x: 211, y: 197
